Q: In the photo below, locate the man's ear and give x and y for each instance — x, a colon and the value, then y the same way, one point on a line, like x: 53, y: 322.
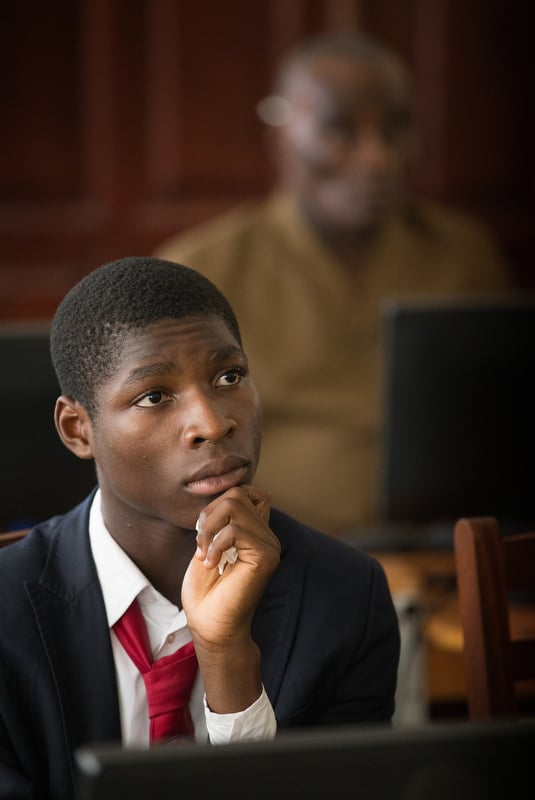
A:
x: 73, y: 426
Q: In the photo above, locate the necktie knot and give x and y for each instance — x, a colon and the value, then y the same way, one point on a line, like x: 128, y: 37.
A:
x: 168, y: 680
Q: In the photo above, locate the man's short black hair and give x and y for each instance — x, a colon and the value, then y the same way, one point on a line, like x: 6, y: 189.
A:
x: 119, y: 298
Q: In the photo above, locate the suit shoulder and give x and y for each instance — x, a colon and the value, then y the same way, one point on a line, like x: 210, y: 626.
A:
x: 320, y: 547
x: 31, y: 548
x: 26, y: 558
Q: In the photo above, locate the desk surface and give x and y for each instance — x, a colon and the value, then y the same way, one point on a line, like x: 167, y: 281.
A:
x: 425, y: 573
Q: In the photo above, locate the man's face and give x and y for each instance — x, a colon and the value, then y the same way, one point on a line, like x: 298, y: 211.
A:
x: 348, y: 144
x: 177, y: 424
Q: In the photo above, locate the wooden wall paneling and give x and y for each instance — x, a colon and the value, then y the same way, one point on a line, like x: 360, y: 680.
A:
x: 489, y: 167
x: 130, y: 119
x: 39, y: 105
x: 53, y: 205
x: 490, y: 162
x: 201, y: 134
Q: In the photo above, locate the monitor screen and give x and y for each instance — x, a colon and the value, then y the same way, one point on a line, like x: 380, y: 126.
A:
x: 39, y: 477
x: 453, y: 760
x: 459, y: 435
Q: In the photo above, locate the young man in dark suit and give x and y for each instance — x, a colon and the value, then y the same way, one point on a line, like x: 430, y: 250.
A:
x: 285, y: 626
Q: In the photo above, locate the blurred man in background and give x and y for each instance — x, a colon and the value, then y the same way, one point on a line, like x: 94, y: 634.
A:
x: 308, y: 268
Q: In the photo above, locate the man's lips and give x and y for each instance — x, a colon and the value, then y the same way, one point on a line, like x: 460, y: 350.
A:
x: 217, y: 477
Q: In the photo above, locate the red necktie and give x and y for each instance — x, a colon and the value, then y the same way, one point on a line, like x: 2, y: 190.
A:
x: 168, y: 680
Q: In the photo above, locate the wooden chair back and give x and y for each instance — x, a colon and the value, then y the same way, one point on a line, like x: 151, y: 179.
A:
x: 12, y: 536
x: 493, y: 573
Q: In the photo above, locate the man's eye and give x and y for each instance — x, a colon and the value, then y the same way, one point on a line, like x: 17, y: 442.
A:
x: 231, y: 377
x: 397, y: 126
x: 340, y: 128
x: 153, y: 398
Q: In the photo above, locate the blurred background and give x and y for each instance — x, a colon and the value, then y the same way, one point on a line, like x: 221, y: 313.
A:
x: 125, y: 121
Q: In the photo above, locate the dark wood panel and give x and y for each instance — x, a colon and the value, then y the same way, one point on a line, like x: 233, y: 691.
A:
x: 41, y: 128
x: 126, y: 120
x: 202, y: 132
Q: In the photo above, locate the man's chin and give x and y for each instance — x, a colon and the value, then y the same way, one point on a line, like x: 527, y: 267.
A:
x: 363, y: 222
x: 358, y: 212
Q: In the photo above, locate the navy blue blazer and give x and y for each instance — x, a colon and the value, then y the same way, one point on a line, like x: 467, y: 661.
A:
x: 326, y: 628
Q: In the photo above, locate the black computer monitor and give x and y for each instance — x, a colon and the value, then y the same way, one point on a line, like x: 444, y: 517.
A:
x: 39, y: 477
x: 450, y: 760
x: 459, y: 411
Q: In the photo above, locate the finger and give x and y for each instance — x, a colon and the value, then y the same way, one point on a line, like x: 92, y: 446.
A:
x: 235, y: 523
x: 218, y: 548
x: 241, y: 505
x: 260, y: 499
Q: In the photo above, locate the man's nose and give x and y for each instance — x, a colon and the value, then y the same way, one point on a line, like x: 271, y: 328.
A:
x: 206, y: 420
x: 371, y: 151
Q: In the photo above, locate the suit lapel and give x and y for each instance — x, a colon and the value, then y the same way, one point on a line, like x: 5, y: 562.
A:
x: 70, y: 613
x: 275, y: 620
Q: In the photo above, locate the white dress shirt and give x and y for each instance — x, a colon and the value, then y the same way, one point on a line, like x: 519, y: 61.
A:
x: 121, y: 583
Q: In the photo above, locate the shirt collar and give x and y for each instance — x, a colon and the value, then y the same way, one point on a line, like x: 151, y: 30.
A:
x: 120, y: 579
x: 122, y: 582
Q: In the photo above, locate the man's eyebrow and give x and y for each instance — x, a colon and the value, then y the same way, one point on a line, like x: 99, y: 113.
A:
x: 231, y: 351
x: 149, y: 371
x: 163, y: 367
